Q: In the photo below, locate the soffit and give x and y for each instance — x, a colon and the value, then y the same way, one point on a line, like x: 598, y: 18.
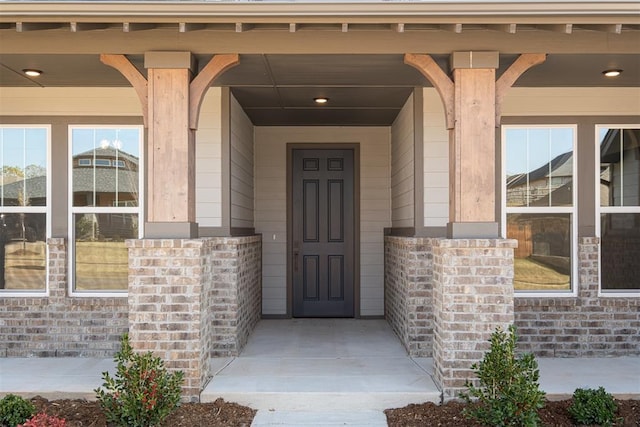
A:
x: 277, y: 89
x: 291, y: 52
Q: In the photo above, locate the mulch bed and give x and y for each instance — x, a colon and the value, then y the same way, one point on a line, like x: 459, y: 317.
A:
x: 82, y: 413
x: 554, y: 414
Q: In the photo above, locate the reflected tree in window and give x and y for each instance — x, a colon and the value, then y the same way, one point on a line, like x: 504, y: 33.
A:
x: 23, y: 201
x: 105, y: 204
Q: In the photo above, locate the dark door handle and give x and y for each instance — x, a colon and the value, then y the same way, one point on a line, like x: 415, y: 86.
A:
x: 295, y: 261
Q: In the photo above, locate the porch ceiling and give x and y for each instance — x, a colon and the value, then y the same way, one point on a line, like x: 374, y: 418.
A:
x: 278, y: 89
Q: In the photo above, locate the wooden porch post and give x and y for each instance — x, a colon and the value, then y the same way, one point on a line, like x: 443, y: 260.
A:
x: 472, y: 107
x: 171, y: 114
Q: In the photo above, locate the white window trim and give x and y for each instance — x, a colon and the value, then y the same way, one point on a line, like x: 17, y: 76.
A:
x: 609, y: 209
x: 100, y: 209
x: 572, y: 210
x: 36, y: 209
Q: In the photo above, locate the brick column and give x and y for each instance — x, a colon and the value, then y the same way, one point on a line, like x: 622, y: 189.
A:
x: 408, y: 285
x: 190, y: 299
x: 472, y: 295
x: 166, y: 280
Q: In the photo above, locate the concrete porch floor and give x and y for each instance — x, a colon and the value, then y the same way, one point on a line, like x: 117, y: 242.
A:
x: 317, y: 372
x: 320, y: 365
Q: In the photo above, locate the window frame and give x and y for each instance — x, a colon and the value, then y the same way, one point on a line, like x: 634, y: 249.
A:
x: 35, y: 209
x: 571, y: 210
x: 73, y: 210
x: 616, y: 293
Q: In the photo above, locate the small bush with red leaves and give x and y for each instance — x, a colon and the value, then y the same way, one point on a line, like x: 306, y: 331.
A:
x: 142, y: 393
x: 44, y: 420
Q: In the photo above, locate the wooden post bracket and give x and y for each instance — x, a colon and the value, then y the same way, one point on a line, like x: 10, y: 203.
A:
x: 198, y: 87
x: 131, y: 73
x: 443, y: 84
x: 509, y: 77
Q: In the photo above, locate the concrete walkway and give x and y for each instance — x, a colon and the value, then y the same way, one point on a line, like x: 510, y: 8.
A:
x: 317, y: 373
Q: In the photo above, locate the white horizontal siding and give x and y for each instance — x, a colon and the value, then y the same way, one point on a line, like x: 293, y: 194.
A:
x: 436, y: 161
x: 402, y: 167
x: 209, y: 161
x: 575, y: 101
x: 69, y: 101
x: 242, y: 198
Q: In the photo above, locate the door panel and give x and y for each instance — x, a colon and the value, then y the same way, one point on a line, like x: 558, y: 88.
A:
x: 323, y: 232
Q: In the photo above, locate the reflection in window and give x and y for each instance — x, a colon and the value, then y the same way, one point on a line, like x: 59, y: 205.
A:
x: 619, y: 185
x: 539, y: 195
x: 96, y: 153
x: 539, y: 166
x: 101, y: 258
x: 542, y: 261
x: 23, y: 201
x: 105, y: 182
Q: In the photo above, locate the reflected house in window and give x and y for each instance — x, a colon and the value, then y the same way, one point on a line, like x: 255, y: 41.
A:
x: 620, y: 168
x: 620, y: 190
x: 549, y: 185
x: 106, y: 177
x: 20, y: 226
x: 543, y: 238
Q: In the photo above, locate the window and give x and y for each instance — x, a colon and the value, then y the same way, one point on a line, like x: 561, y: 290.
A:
x: 102, y: 162
x: 24, y: 194
x: 618, y: 188
x: 539, y: 206
x: 105, y: 205
x: 84, y: 162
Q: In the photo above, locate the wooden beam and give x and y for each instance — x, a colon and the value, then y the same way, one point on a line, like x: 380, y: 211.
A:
x: 185, y: 27
x: 216, y: 66
x: 129, y: 27
x: 443, y: 84
x: 23, y: 27
x: 87, y: 26
x: 509, y: 77
x: 556, y: 28
x: 293, y: 28
x: 399, y: 28
x: 241, y: 28
x: 131, y: 73
x: 605, y: 28
x: 345, y: 28
x: 505, y: 28
x: 454, y: 28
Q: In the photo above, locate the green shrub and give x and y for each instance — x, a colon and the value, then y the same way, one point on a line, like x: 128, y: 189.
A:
x: 15, y: 410
x: 142, y: 393
x: 509, y: 393
x: 592, y: 406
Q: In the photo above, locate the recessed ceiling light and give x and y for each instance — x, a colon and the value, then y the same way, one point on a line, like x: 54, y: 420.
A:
x: 612, y: 73
x: 321, y: 100
x: 31, y: 72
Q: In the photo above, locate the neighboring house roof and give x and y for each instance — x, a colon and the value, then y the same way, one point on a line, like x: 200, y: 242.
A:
x: 36, y: 188
x: 85, y: 179
x: 562, y: 165
x: 610, y: 147
x: 107, y: 152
